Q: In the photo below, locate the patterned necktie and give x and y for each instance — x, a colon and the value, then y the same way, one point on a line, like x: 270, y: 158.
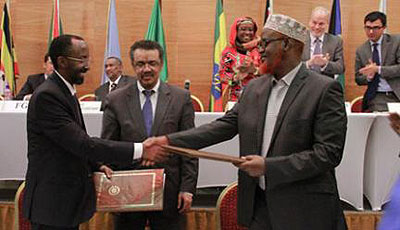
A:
x: 147, y: 111
x: 372, y: 85
x: 113, y: 87
x: 317, y: 50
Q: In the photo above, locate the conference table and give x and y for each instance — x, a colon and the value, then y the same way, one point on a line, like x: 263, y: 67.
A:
x: 369, y: 166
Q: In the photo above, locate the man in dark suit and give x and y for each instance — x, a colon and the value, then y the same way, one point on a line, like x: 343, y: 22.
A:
x: 35, y: 80
x: 323, y: 52
x: 378, y: 64
x: 126, y: 118
x: 292, y: 126
x: 59, y: 190
x: 113, y: 68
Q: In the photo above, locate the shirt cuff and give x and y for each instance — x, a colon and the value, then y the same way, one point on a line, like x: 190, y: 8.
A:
x: 138, y: 151
x: 379, y: 70
x: 188, y: 193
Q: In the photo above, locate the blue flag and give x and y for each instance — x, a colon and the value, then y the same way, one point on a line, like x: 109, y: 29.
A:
x: 335, y: 28
x: 112, y: 43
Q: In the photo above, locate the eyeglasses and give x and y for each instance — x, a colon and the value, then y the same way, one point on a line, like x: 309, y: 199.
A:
x: 142, y: 64
x: 80, y: 60
x: 265, y: 42
x: 373, y: 28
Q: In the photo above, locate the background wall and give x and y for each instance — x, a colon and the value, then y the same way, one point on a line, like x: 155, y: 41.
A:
x: 189, y: 28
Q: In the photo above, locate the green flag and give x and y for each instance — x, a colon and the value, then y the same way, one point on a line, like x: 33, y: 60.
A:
x: 155, y: 32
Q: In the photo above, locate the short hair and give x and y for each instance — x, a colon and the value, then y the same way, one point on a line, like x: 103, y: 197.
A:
x: 61, y: 46
x: 375, y: 15
x: 146, y: 45
x: 116, y: 58
x: 46, y: 57
x: 320, y: 9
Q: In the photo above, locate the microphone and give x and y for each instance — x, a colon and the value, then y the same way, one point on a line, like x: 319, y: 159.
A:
x: 187, y: 84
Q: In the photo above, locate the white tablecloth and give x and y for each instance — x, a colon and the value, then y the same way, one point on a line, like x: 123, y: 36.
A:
x: 371, y: 172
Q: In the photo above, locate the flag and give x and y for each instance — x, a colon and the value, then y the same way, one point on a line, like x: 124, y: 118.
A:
x: 219, y: 46
x: 155, y: 32
x: 112, y: 42
x: 8, y: 61
x: 268, y: 9
x: 335, y: 28
x: 382, y: 8
x: 55, y: 24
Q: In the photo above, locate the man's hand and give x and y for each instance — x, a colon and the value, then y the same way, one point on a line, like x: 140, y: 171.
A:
x: 254, y: 165
x: 319, y: 60
x: 152, y: 151
x: 184, y: 201
x: 369, y: 70
x: 106, y: 170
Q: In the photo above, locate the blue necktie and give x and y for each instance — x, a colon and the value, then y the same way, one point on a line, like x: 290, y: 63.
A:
x: 372, y: 85
x: 147, y: 111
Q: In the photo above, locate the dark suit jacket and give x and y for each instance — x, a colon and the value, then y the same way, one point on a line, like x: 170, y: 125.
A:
x: 307, y: 144
x: 30, y: 85
x: 334, y: 46
x: 59, y: 185
x: 390, y: 64
x: 103, y: 90
x: 123, y: 120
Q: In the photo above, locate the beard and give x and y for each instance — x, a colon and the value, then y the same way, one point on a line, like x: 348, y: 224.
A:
x: 77, y: 78
x: 270, y: 68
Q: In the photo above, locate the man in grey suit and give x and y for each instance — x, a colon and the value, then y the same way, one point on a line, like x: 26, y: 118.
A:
x: 113, y: 68
x: 292, y: 125
x: 129, y: 116
x: 323, y: 52
x: 378, y: 64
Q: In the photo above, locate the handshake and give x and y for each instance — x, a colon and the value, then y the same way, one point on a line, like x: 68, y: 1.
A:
x: 152, y: 153
x: 152, y: 150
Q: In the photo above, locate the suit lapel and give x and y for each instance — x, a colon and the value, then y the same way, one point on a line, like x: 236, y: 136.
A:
x: 77, y: 113
x: 385, y: 45
x: 163, y: 100
x: 262, y: 93
x: 325, y: 44
x: 132, y: 102
x: 294, y: 88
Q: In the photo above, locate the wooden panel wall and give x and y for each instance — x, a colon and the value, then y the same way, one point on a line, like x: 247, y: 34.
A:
x: 189, y: 27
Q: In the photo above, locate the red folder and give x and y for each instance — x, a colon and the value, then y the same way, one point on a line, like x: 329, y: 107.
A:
x: 127, y: 191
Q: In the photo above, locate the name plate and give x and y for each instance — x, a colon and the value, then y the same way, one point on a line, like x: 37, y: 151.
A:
x: 127, y: 191
x: 14, y: 106
x: 394, y: 107
x: 90, y: 106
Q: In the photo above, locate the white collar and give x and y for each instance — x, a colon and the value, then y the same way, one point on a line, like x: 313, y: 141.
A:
x: 312, y: 37
x: 116, y: 81
x: 288, y: 78
x: 155, y: 88
x: 379, y: 42
x: 70, y: 87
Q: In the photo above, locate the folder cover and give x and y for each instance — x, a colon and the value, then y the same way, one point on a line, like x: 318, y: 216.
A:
x: 128, y: 191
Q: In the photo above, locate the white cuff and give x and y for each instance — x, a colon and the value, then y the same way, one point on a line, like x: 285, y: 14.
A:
x: 138, y: 152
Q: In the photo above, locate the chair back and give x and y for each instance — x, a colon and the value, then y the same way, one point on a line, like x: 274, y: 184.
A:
x: 20, y: 222
x: 356, y: 105
x: 227, y: 209
x: 197, y: 105
x: 88, y: 97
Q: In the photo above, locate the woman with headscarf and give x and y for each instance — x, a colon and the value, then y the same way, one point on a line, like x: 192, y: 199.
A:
x: 240, y: 61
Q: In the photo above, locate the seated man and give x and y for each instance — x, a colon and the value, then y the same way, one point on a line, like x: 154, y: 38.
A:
x: 35, y: 80
x: 113, y: 68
